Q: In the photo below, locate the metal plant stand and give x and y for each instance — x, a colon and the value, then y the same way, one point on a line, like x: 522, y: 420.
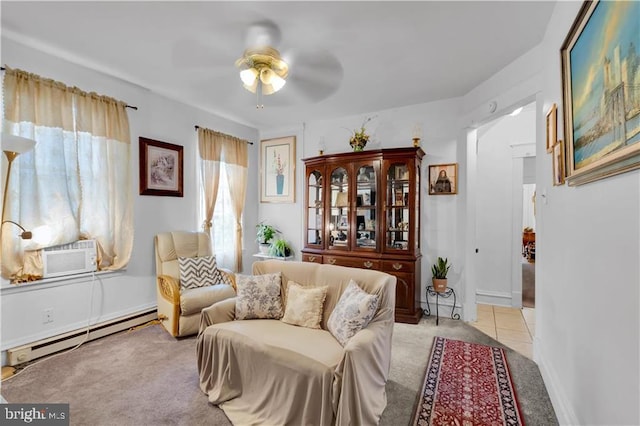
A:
x: 445, y: 294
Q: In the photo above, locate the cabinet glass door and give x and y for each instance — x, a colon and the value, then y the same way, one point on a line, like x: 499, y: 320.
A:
x: 315, y: 209
x: 398, y: 207
x: 366, y: 207
x: 339, y: 220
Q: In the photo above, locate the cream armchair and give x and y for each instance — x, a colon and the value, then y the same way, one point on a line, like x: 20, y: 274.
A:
x: 179, y: 310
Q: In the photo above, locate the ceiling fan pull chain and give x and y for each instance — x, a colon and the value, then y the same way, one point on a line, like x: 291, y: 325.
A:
x: 259, y: 104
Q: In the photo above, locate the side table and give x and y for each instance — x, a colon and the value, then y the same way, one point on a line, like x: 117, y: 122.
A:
x: 445, y: 294
x: 268, y: 256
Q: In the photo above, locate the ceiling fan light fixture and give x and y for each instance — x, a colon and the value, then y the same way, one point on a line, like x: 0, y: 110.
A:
x: 262, y: 66
x: 249, y: 76
x: 271, y: 82
x: 277, y: 82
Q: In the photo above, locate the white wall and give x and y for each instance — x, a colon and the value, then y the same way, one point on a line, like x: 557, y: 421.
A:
x: 286, y: 217
x: 587, y: 276
x: 495, y: 204
x: 528, y: 207
x: 390, y: 129
x: 119, y: 294
x: 587, y: 250
x: 529, y: 170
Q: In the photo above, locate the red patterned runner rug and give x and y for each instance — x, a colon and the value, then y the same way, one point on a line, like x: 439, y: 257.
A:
x: 467, y: 384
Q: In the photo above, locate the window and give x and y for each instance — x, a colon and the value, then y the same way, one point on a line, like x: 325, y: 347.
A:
x: 223, y: 223
x: 75, y: 183
x: 223, y: 183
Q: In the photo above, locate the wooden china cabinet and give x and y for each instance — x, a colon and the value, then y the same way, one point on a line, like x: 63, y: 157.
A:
x: 363, y: 211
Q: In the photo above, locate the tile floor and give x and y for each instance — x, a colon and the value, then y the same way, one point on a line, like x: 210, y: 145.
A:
x: 512, y: 327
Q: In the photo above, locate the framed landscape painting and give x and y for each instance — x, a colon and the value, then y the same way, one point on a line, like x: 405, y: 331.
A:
x: 277, y: 170
x: 601, y: 97
x: 161, y: 168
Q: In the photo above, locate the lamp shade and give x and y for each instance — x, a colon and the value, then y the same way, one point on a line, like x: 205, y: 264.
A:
x: 249, y: 76
x: 16, y: 144
x: 342, y: 200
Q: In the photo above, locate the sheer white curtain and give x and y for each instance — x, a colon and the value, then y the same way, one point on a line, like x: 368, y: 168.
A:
x: 223, y: 171
x: 76, y: 182
x: 236, y: 159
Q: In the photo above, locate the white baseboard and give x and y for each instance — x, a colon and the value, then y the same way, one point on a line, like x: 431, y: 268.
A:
x: 53, y: 344
x: 564, y: 412
x: 515, y: 297
x: 24, y: 340
x: 493, y: 298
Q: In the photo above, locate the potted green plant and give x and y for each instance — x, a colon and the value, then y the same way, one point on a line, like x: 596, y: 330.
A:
x: 280, y: 248
x: 439, y: 271
x: 265, y: 233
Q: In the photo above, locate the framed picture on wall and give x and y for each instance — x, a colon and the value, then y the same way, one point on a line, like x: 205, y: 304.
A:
x: 600, y: 70
x: 277, y: 170
x: 443, y: 179
x: 552, y: 127
x: 161, y: 168
x: 558, y: 163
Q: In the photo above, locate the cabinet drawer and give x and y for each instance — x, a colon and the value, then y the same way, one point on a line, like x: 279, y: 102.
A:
x: 398, y: 266
x: 353, y: 262
x: 314, y: 258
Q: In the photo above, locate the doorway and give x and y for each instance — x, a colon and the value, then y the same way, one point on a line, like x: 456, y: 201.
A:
x: 528, y: 239
x: 505, y: 161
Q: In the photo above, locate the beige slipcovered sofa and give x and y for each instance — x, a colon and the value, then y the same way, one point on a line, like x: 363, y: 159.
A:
x: 179, y: 309
x: 268, y: 372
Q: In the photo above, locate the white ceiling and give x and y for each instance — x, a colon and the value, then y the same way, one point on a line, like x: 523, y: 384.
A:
x: 380, y: 54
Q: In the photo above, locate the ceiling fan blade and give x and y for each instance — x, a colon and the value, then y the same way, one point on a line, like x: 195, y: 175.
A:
x: 313, y: 76
x: 261, y: 34
x: 194, y: 53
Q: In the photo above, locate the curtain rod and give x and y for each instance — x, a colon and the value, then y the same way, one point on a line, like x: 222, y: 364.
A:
x: 126, y: 106
x: 197, y: 127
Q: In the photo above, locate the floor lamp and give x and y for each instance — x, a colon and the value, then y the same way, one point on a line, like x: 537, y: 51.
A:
x: 12, y: 146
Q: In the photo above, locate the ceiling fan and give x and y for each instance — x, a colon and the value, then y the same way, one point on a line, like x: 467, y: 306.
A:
x: 313, y: 74
x: 262, y: 69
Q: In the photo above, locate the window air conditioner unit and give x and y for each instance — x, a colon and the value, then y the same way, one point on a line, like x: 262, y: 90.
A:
x: 68, y: 259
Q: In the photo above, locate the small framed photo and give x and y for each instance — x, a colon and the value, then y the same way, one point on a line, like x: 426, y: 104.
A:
x: 161, y: 168
x: 399, y: 199
x: 402, y: 172
x: 558, y: 163
x: 443, y: 179
x: 552, y: 127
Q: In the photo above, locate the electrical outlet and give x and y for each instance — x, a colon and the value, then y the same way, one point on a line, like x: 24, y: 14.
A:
x: 47, y: 316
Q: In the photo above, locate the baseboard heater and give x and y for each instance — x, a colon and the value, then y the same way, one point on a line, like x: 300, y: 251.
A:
x: 48, y: 346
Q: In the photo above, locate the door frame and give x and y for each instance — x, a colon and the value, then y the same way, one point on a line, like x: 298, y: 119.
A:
x: 519, y: 153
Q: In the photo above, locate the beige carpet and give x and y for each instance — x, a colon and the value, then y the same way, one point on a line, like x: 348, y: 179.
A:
x: 146, y: 377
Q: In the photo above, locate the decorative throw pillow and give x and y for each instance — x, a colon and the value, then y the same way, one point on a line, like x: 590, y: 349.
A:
x: 199, y: 272
x: 304, y: 305
x: 353, y: 312
x: 258, y: 296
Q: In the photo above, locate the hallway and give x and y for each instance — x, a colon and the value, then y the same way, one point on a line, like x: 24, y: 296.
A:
x: 512, y: 327
x: 528, y: 284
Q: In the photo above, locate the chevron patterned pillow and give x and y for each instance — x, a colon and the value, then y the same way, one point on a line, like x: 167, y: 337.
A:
x: 199, y: 272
